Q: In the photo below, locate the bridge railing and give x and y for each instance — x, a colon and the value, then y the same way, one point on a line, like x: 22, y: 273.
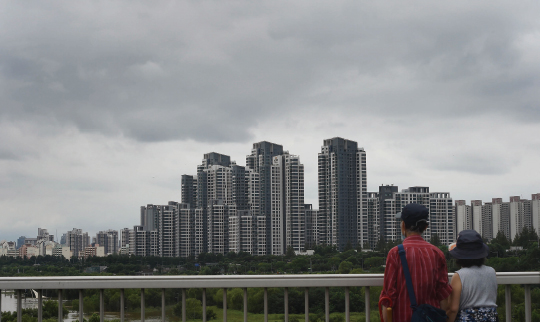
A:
x: 225, y: 282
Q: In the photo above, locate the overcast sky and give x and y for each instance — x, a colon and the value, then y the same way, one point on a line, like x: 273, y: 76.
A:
x: 105, y: 104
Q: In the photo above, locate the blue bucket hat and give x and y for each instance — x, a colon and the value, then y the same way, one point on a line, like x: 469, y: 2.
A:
x: 470, y: 245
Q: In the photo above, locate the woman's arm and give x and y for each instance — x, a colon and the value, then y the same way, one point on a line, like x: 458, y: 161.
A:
x: 453, y: 300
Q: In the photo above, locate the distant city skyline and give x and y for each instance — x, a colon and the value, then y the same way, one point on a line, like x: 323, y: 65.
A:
x: 178, y: 193
x: 104, y: 105
x: 273, y: 159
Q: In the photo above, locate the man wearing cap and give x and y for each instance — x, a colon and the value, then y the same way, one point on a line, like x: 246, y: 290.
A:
x: 427, y: 266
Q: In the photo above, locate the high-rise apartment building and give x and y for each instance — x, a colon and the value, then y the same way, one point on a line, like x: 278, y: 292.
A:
x: 205, y: 193
x: 43, y: 234
x: 535, y: 211
x: 260, y: 161
x: 487, y: 221
x: 342, y: 193
x: 463, y: 216
x: 161, y: 230
x: 20, y: 241
x: 247, y: 233
x: 187, y: 232
x: 287, y: 200
x: 498, y: 220
x: 373, y: 222
x: 476, y: 208
x: 124, y: 237
x: 77, y: 241
x: 218, y: 226
x: 312, y: 226
x: 519, y: 211
x: 391, y: 202
x: 201, y: 232
x: 189, y: 190
x: 142, y: 242
x: 169, y: 229
x: 388, y: 225
x: 229, y: 194
x: 108, y: 239
x: 258, y: 165
x: 441, y: 217
x: 497, y: 216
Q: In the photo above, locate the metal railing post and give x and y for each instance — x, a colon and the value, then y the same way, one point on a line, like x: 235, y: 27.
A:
x: 81, y: 313
x: 162, y: 305
x: 286, y: 300
x: 184, y: 313
x: 306, y: 303
x: 101, y: 306
x: 40, y: 306
x: 224, y: 305
x: 61, y: 306
x: 245, y: 305
x: 19, y: 306
x: 265, y: 304
x: 367, y: 299
x: 204, y: 304
x: 508, y: 302
x: 347, y: 308
x: 122, y: 305
x: 143, y: 305
x: 0, y: 305
x: 327, y: 304
x: 528, y: 307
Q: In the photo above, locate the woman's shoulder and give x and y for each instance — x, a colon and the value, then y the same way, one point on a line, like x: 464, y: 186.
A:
x: 481, y: 269
x: 489, y: 269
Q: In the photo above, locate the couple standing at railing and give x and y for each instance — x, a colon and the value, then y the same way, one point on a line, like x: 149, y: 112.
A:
x: 416, y: 284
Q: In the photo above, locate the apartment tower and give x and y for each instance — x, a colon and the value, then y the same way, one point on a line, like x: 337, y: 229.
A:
x: 342, y: 193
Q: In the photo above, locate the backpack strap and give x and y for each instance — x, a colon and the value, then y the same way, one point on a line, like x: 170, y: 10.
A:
x: 407, y: 274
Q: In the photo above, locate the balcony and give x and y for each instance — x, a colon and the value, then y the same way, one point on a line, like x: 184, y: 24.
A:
x: 245, y: 282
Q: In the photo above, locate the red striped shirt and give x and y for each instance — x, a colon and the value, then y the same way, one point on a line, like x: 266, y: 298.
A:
x: 429, y: 276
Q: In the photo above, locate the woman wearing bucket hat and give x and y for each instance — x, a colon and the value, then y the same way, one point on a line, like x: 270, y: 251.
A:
x: 474, y: 286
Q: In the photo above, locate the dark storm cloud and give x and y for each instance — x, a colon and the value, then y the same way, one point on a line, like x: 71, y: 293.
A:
x: 8, y: 155
x: 213, y: 72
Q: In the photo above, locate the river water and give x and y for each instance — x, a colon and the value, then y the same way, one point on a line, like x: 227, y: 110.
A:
x: 9, y: 303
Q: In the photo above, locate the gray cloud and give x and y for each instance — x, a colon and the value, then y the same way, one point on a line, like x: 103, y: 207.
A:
x: 124, y: 73
x: 98, y: 98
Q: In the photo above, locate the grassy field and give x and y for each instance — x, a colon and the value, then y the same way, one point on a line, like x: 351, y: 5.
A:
x: 238, y: 316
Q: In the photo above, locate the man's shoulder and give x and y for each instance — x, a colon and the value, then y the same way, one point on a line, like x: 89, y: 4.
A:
x: 394, y: 249
x: 421, y: 243
x: 436, y: 251
x: 393, y: 252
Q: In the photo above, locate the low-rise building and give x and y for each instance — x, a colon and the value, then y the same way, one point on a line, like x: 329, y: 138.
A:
x: 95, y: 250
x: 62, y: 250
x: 27, y: 251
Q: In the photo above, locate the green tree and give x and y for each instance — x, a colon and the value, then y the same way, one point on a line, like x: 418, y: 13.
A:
x: 435, y: 240
x: 235, y: 299
x: 381, y: 245
x: 348, y: 246
x: 345, y: 267
x: 193, y: 309
x: 374, y: 262
x: 290, y: 252
x: 50, y: 310
x: 501, y: 240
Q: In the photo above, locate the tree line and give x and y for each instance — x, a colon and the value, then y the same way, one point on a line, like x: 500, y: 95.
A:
x: 521, y: 254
